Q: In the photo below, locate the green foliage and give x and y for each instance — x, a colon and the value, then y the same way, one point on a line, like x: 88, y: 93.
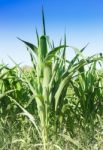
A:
x: 62, y: 99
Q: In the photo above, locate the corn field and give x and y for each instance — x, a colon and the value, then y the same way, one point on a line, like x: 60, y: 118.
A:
x: 56, y: 104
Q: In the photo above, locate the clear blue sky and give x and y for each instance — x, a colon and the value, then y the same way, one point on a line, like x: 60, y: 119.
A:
x: 83, y: 20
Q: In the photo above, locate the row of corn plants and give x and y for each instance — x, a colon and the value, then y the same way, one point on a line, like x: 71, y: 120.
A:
x: 57, y: 95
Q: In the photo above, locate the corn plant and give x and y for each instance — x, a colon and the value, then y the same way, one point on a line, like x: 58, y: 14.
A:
x: 11, y: 85
x: 89, y: 90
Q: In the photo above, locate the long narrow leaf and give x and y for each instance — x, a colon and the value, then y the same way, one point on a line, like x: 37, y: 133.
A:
x: 52, y: 53
x: 30, y: 45
x: 26, y: 113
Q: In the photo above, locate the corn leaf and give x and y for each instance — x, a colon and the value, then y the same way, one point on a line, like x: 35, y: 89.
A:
x: 53, y: 52
x: 30, y: 45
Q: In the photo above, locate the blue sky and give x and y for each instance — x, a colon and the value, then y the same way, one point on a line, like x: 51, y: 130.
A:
x: 83, y: 20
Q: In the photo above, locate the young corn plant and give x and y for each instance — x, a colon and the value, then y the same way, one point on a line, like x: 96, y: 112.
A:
x: 5, y: 89
x: 88, y: 90
x: 44, y: 74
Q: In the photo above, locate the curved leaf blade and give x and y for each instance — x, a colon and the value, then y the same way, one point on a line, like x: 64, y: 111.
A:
x: 30, y: 45
x: 52, y: 53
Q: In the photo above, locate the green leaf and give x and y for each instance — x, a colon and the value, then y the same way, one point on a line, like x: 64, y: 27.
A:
x: 52, y: 53
x: 26, y: 113
x: 42, y: 51
x: 6, y: 93
x: 37, y: 35
x: 79, y: 52
x: 43, y: 22
x: 33, y: 60
x: 64, y: 47
x: 30, y: 45
x: 76, y: 57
